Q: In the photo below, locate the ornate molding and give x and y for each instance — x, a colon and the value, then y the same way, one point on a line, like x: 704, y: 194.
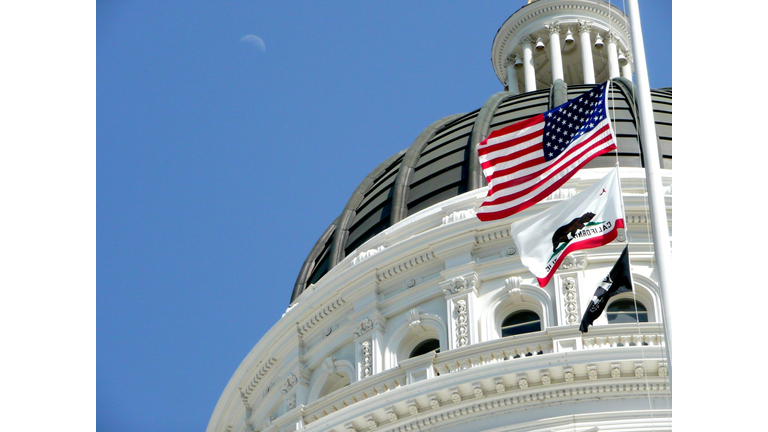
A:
x: 584, y: 26
x: 639, y: 369
x: 434, y: 402
x: 371, y: 422
x: 249, y: 389
x: 462, y: 323
x: 522, y: 380
x: 405, y: 265
x: 568, y: 374
x: 611, y: 37
x: 572, y: 262
x: 459, y: 215
x: 615, y: 370
x: 553, y: 28
x: 367, y: 351
x: 490, y: 236
x: 362, y: 327
x: 526, y: 39
x: 477, y: 390
x: 455, y: 395
x: 362, y: 256
x: 514, y: 285
x: 459, y: 284
x: 328, y: 365
x: 592, y: 372
x: 545, y: 378
x: 392, y: 414
x: 320, y: 315
x: 570, y: 301
x: 499, y: 384
x: 413, y: 408
x: 510, y: 60
x: 414, y: 317
x: 289, y: 382
x: 663, y: 369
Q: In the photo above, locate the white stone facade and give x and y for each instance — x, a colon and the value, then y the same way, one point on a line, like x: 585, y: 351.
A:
x: 338, y: 360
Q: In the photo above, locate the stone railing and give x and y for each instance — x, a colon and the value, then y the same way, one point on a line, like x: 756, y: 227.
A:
x: 619, y: 335
x: 493, y: 351
x: 509, y: 349
x: 355, y: 392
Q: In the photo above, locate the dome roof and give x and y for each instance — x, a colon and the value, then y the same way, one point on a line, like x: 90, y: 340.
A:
x: 441, y: 164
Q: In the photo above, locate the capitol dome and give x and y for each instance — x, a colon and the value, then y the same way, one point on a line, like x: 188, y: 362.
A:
x: 442, y: 163
x: 409, y: 313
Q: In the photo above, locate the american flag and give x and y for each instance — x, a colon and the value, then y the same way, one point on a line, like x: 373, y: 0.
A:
x: 526, y: 161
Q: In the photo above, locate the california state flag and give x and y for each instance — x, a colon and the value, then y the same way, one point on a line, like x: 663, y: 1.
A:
x: 587, y: 220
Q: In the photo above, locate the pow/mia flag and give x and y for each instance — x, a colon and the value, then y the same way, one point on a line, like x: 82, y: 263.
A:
x: 618, y: 281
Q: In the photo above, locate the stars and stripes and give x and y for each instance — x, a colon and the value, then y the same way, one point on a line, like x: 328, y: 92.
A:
x: 527, y: 161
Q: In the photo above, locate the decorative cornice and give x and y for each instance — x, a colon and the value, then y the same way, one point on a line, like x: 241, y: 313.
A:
x: 320, y: 315
x: 490, y: 236
x: 405, y: 265
x: 250, y: 388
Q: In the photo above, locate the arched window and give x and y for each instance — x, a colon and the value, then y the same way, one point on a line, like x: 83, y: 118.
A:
x: 427, y: 346
x: 623, y: 311
x: 520, y: 322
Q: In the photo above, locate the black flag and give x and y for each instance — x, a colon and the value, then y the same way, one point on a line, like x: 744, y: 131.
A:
x: 618, y: 281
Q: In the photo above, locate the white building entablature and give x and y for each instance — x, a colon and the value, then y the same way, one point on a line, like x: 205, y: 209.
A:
x: 574, y: 41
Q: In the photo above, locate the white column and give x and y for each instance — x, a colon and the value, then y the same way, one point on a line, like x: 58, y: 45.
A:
x: 529, y: 74
x: 461, y: 296
x: 585, y: 39
x: 555, y: 56
x: 512, y: 86
x: 656, y: 201
x: 626, y: 70
x: 613, y: 56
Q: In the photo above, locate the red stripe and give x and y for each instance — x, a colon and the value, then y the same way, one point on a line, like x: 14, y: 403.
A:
x: 578, y: 151
x: 511, y: 170
x: 482, y: 151
x: 506, y: 158
x: 514, y: 127
x: 589, y: 243
x: 500, y: 214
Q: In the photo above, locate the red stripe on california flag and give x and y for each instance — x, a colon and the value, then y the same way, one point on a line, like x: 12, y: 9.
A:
x: 567, y: 157
x: 580, y: 245
x: 500, y: 214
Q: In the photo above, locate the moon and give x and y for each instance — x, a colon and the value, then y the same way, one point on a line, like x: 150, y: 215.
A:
x: 255, y: 41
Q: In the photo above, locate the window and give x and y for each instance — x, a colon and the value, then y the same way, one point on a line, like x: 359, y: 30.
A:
x: 623, y: 311
x: 427, y: 346
x: 520, y: 322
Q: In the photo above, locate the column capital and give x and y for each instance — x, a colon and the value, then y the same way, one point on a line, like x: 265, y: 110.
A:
x: 585, y: 26
x: 611, y: 37
x: 553, y: 27
x: 510, y: 60
x: 526, y: 40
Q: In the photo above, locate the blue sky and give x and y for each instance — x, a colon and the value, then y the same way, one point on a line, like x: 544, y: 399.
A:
x: 219, y: 166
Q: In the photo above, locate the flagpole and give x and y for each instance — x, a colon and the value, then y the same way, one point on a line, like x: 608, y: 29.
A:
x: 658, y: 209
